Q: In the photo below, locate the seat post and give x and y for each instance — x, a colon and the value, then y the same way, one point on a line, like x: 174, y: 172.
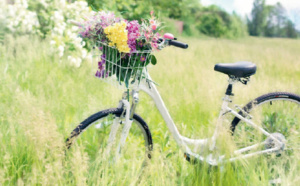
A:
x: 229, y: 90
x: 229, y: 87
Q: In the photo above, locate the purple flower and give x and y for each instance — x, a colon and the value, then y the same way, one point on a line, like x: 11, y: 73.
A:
x: 133, y: 28
x: 101, y: 72
x: 93, y: 27
x: 140, y: 44
x: 143, y: 58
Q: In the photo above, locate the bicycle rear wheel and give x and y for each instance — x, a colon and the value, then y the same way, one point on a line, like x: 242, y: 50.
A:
x: 93, y: 136
x: 279, y: 114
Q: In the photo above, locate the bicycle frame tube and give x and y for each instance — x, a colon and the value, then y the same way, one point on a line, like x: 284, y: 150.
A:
x: 182, y: 141
x: 149, y: 87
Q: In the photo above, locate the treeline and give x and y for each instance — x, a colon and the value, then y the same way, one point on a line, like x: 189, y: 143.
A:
x: 269, y: 21
x: 211, y: 21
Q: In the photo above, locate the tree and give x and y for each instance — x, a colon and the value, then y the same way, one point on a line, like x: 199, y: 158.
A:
x: 276, y: 21
x: 291, y: 32
x: 258, y: 18
x: 212, y: 25
x: 270, y: 21
x: 214, y: 21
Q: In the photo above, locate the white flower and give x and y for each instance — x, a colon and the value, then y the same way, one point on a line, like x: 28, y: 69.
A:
x: 62, y: 3
x: 22, y: 20
x: 61, y: 50
x: 89, y: 58
x: 74, y: 28
x: 52, y: 42
x: 72, y: 59
x: 83, y: 53
x: 75, y: 61
x: 78, y: 62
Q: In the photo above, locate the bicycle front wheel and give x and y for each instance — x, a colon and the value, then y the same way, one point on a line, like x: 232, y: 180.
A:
x: 277, y: 113
x: 99, y: 136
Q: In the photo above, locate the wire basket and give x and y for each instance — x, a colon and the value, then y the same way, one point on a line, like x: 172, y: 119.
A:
x: 124, y: 71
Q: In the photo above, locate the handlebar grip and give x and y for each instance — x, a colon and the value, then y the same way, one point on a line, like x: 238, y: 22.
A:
x: 178, y: 44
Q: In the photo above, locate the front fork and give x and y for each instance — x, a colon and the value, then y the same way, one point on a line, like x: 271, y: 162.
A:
x: 125, y: 102
x: 128, y: 112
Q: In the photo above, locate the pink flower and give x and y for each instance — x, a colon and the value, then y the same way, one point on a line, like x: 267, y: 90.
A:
x: 154, y: 46
x: 153, y: 27
x: 151, y: 13
x: 147, y: 36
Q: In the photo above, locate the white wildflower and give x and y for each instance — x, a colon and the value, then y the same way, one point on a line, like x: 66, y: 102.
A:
x: 62, y: 34
x: 52, y: 42
x: 61, y: 50
x: 83, y: 53
x: 78, y: 62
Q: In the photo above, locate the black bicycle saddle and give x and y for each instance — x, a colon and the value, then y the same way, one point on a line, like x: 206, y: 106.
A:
x: 239, y: 69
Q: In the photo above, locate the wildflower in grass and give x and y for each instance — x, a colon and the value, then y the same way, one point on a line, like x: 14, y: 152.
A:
x: 61, y: 50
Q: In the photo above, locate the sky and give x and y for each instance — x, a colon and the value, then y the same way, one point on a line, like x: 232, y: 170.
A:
x: 244, y: 7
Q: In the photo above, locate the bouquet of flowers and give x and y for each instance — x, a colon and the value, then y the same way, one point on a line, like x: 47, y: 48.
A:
x: 125, y: 46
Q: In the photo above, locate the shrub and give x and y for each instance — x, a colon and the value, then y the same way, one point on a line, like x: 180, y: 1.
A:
x: 49, y: 19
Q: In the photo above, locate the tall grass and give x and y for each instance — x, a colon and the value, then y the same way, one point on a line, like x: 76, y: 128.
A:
x: 43, y: 98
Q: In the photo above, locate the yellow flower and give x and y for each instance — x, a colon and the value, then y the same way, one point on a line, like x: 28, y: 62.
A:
x: 117, y: 35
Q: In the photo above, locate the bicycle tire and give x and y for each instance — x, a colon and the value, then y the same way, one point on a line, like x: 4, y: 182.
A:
x: 262, y: 99
x: 95, y: 139
x: 277, y: 112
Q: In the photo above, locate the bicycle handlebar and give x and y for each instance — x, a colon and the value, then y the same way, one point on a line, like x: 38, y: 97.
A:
x: 178, y: 44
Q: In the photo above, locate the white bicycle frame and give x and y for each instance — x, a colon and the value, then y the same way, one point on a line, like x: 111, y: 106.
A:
x: 149, y: 87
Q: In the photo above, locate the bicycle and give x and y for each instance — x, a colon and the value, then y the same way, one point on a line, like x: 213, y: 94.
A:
x: 266, y: 125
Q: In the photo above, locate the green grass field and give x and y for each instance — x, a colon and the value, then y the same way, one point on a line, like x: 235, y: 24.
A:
x: 42, y: 100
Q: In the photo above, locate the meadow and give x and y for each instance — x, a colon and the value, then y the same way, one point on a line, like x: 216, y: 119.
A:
x: 43, y: 98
